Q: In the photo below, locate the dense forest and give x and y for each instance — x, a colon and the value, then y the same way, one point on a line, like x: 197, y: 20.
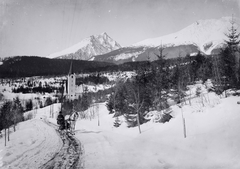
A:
x: 26, y: 66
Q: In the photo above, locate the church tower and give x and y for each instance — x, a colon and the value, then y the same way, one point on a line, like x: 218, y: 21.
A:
x: 71, y: 83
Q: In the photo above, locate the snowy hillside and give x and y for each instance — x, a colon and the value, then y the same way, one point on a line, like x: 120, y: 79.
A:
x: 206, y: 34
x: 132, y: 54
x: 125, y: 54
x: 91, y: 46
x: 212, y: 139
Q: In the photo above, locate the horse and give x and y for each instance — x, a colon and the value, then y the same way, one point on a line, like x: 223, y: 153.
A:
x: 71, y: 122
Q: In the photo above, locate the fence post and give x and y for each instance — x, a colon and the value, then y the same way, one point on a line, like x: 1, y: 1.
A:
x: 184, y: 125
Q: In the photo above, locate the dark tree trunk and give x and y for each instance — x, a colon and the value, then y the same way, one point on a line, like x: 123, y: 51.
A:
x: 8, y: 134
x: 5, y: 137
x: 14, y: 127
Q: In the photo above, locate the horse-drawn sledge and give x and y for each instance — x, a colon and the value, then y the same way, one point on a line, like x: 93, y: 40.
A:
x: 67, y: 123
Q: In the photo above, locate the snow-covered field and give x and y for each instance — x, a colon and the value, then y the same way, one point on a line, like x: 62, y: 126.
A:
x: 212, y: 142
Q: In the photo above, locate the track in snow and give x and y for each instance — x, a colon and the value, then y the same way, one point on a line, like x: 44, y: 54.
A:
x: 70, y: 155
x: 34, y: 151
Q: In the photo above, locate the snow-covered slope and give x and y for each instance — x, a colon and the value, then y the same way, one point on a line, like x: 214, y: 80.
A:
x: 206, y: 34
x: 141, y: 53
x: 212, y: 141
x: 91, y: 46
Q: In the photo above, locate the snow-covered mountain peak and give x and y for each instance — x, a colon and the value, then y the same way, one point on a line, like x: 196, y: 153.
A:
x: 104, y: 35
x: 206, y: 34
x: 88, y: 47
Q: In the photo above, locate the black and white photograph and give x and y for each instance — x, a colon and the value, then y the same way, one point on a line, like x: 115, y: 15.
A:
x: 119, y: 84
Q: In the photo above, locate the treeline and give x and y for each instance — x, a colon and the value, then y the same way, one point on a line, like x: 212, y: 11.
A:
x: 47, y: 89
x: 26, y: 66
x: 94, y: 79
x: 11, y: 113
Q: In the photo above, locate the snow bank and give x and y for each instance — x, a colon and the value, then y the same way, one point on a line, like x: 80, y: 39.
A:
x: 212, y: 139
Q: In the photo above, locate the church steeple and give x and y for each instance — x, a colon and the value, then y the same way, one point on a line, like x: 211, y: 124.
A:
x: 71, y: 69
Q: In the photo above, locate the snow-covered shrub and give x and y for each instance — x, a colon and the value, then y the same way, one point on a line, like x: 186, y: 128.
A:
x: 154, y: 116
x: 198, y: 91
x: 232, y: 92
x: 117, y: 122
x: 165, y: 118
x: 131, y: 120
x: 208, y: 84
x: 159, y: 116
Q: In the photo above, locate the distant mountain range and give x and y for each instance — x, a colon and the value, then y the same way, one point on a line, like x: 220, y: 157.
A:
x: 206, y: 36
x: 85, y: 49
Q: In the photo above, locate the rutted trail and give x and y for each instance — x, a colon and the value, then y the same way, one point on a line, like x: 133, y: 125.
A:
x: 69, y: 156
x: 38, y: 143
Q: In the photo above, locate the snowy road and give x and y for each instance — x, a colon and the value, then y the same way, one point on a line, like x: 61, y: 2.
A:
x: 69, y: 156
x: 31, y: 146
x: 37, y: 144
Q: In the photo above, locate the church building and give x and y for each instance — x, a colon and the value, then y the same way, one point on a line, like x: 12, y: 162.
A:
x: 72, y: 91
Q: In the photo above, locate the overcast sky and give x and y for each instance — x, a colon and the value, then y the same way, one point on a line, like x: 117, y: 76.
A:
x: 42, y: 27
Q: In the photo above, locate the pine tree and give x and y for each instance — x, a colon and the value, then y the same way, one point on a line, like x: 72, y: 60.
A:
x: 110, y: 104
x: 178, y: 78
x: 17, y: 111
x: 136, y: 100
x: 120, y: 97
x: 160, y: 81
x: 217, y: 74
x: 230, y: 56
x: 6, y: 116
x: 48, y: 101
x: 29, y: 105
x: 233, y: 37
